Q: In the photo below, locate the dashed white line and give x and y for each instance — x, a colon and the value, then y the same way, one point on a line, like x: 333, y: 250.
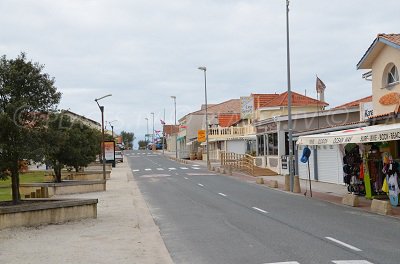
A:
x: 222, y: 194
x: 196, y: 165
x: 160, y: 169
x: 195, y: 168
x: 135, y: 170
x: 172, y: 168
x: 351, y: 262
x: 147, y: 169
x: 200, y: 184
x: 287, y: 262
x: 183, y: 168
x: 343, y: 244
x: 186, y: 178
x: 260, y: 210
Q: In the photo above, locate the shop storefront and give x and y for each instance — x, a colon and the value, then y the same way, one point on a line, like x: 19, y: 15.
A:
x: 369, y: 157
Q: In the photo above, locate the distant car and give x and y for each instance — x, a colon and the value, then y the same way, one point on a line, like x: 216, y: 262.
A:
x: 119, y: 157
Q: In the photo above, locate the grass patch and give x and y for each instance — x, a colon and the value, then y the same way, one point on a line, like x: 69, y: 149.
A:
x: 27, y: 177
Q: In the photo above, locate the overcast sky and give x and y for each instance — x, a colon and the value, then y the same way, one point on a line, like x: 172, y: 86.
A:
x: 144, y: 51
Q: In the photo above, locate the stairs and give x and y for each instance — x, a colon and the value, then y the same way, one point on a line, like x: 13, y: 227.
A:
x: 258, y: 171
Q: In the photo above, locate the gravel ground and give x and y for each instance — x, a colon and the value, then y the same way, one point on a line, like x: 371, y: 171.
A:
x: 124, y: 232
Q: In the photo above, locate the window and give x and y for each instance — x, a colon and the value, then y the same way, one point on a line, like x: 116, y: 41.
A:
x: 272, y: 144
x: 392, y: 76
x: 260, y: 145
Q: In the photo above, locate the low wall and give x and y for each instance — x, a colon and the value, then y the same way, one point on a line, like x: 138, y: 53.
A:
x: 65, y: 187
x: 98, y: 167
x: 88, y: 175
x: 46, y: 211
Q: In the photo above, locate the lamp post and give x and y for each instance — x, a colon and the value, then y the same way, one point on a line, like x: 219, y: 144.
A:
x: 290, y: 125
x: 147, y: 135
x: 204, y: 69
x: 176, y: 138
x: 103, y: 149
x: 112, y: 127
x: 152, y: 113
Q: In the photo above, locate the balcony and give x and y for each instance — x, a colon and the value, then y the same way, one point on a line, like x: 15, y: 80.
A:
x: 230, y: 132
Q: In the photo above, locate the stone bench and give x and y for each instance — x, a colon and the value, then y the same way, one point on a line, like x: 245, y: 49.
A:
x: 65, y: 187
x: 46, y: 211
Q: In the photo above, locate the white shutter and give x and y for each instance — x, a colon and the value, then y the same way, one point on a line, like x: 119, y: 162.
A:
x: 329, y: 164
x: 236, y: 146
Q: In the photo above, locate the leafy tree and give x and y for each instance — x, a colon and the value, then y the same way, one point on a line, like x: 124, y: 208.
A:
x: 142, y: 144
x: 128, y: 138
x: 70, y: 144
x: 25, y: 93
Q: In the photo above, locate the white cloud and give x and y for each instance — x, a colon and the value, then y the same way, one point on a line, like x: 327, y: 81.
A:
x: 143, y: 51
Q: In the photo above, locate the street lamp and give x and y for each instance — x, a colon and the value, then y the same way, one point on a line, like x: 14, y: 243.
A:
x: 290, y: 125
x: 204, y: 69
x: 147, y: 135
x: 152, y: 113
x: 103, y: 148
x: 112, y: 127
x: 176, y: 137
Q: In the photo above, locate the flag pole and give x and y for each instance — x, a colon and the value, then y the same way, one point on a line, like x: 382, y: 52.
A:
x: 163, y: 134
x: 317, y: 101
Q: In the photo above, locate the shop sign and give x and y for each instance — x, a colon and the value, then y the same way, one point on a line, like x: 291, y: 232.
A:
x: 284, y: 162
x: 201, y: 136
x: 247, y: 107
x: 366, y: 110
x: 369, y: 134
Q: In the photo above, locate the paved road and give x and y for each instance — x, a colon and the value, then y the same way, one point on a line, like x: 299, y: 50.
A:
x: 209, y: 218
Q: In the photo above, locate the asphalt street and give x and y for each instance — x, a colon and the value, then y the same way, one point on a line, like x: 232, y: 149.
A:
x: 209, y: 218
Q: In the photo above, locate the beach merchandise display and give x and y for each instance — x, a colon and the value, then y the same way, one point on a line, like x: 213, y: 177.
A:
x: 353, y: 170
x: 391, y: 170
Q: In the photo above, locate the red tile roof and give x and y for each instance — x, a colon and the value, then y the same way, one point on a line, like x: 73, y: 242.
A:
x: 230, y: 106
x: 355, y: 103
x: 261, y: 100
x: 226, y: 120
x: 297, y: 100
x: 171, y: 129
x: 394, y: 38
x: 377, y: 45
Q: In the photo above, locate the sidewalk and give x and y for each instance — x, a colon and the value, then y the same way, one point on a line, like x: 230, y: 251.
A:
x: 124, y: 232
x: 328, y: 192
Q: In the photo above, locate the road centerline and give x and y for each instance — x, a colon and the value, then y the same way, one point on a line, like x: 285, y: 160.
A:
x: 343, y: 244
x: 260, y: 210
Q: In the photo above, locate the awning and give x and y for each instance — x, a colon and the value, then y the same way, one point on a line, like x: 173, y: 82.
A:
x: 377, y: 133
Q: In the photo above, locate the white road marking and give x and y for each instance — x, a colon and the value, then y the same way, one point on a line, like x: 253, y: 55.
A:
x: 135, y: 170
x: 172, y: 168
x: 147, y: 169
x: 222, y: 194
x: 195, y: 168
x: 183, y: 168
x: 200, y: 174
x: 287, y: 262
x: 351, y: 262
x: 343, y: 244
x: 200, y: 184
x: 260, y: 210
x: 186, y: 178
x: 196, y: 165
x: 155, y: 175
x: 160, y: 169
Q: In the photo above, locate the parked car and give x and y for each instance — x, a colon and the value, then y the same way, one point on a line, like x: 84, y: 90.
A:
x: 119, y: 156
